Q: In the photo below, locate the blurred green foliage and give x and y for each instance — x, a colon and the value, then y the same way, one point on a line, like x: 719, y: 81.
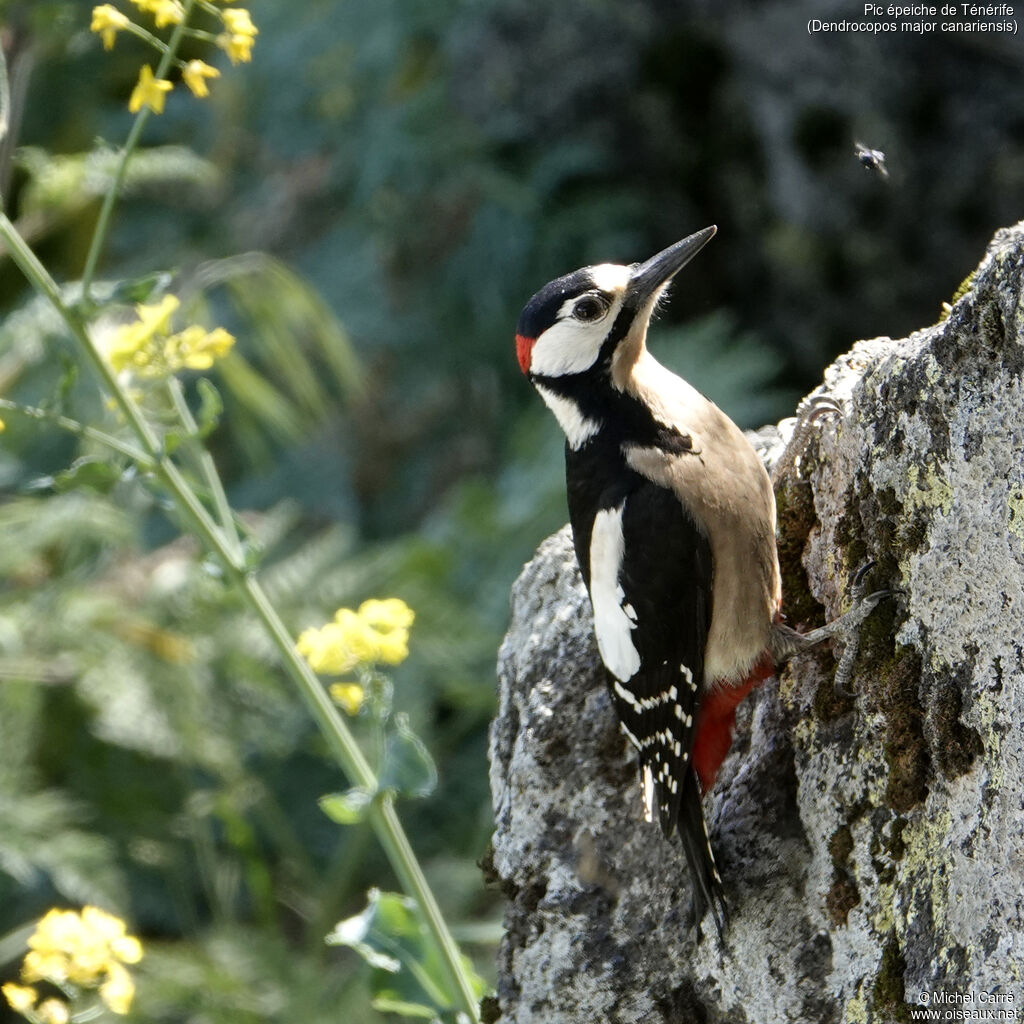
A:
x: 398, y: 177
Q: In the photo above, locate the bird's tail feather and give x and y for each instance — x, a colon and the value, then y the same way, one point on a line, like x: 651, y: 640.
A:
x: 693, y: 834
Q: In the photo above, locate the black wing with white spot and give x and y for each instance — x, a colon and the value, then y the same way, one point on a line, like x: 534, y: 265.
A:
x: 664, y: 575
x: 650, y: 578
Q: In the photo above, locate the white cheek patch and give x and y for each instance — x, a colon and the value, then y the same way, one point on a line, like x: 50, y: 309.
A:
x: 612, y: 624
x: 567, y: 346
x: 570, y: 345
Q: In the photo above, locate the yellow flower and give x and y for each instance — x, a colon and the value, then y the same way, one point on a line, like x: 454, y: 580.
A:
x: 127, y: 347
x: 391, y: 613
x: 238, y: 22
x: 195, y: 348
x: 157, y: 318
x: 111, y: 931
x: 53, y: 1011
x: 195, y: 74
x: 87, y: 949
x: 130, y: 346
x: 44, y: 967
x: 329, y: 650
x: 53, y: 947
x: 20, y: 998
x: 147, y: 348
x: 393, y: 647
x: 126, y: 948
x: 149, y: 92
x: 238, y: 36
x: 3, y: 426
x: 349, y: 695
x: 237, y: 46
x: 118, y: 990
x: 388, y: 622
x: 167, y: 12
x: 377, y: 632
x: 107, y: 20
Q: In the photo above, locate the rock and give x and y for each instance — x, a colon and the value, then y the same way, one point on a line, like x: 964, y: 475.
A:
x: 872, y: 847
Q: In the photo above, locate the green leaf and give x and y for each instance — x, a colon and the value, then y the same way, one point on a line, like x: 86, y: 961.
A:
x: 385, y: 1004
x: 140, y: 289
x: 408, y: 768
x: 173, y: 440
x: 362, y: 933
x: 390, y: 937
x: 298, y: 361
x: 60, y: 185
x: 211, y: 405
x: 88, y: 471
x: 347, y: 808
x: 389, y: 934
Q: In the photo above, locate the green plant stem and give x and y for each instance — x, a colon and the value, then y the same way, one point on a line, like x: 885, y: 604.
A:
x: 147, y: 37
x: 392, y: 837
x: 99, y: 236
x: 198, y: 33
x: 209, y: 7
x: 383, y: 817
x: 206, y: 464
x: 80, y: 430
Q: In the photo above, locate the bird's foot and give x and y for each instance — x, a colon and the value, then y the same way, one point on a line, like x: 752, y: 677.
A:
x: 808, y: 415
x: 846, y: 628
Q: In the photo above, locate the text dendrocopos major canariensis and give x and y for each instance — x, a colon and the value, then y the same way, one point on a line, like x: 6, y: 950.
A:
x: 673, y: 521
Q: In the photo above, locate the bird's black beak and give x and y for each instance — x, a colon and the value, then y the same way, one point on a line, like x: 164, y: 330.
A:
x: 648, y: 277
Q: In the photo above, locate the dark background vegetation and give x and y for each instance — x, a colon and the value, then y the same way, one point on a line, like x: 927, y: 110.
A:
x: 403, y: 175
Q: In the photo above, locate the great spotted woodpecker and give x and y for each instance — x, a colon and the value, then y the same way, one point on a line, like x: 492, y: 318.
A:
x: 673, y: 522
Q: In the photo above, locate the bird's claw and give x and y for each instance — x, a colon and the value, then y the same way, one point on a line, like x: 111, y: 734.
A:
x: 858, y: 578
x: 817, y: 407
x: 807, y: 415
x: 849, y: 625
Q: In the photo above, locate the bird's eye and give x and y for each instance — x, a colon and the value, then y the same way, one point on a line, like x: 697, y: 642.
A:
x: 590, y: 307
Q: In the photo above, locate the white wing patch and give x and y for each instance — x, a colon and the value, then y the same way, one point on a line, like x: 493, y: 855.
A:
x: 613, y: 624
x: 648, y: 791
x: 577, y: 428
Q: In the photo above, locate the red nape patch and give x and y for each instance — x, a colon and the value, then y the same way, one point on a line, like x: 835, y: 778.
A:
x: 524, y: 349
x: 716, y: 719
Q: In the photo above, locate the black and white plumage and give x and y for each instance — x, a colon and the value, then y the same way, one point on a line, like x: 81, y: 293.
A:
x: 673, y: 524
x: 673, y: 521
x: 651, y: 624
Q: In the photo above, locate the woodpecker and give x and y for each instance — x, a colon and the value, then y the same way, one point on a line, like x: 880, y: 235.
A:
x: 673, y: 523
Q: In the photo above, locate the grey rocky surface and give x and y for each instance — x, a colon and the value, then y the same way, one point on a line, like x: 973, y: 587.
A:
x: 872, y: 846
